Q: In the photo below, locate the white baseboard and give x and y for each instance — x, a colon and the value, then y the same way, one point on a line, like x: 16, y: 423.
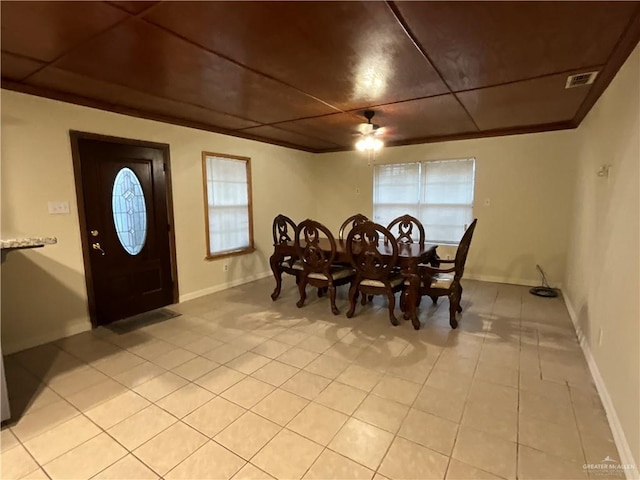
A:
x: 73, y: 328
x: 626, y: 457
x: 79, y: 326
x: 223, y: 286
x: 509, y: 280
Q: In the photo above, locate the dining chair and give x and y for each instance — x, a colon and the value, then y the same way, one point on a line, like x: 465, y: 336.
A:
x: 445, y: 282
x: 351, y: 222
x: 375, y: 273
x: 317, y: 263
x: 406, y: 226
x: 284, y: 230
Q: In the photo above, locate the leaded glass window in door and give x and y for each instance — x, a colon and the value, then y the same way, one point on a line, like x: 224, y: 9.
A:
x: 129, y: 211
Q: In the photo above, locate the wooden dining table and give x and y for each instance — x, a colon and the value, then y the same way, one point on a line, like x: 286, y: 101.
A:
x: 410, y: 255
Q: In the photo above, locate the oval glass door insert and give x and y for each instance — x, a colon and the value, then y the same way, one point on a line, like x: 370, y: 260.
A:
x: 129, y: 211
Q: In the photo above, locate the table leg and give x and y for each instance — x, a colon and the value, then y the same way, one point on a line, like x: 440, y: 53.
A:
x: 275, y: 261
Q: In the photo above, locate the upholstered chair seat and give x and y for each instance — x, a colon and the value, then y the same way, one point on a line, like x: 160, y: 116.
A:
x: 375, y: 273
x: 394, y: 281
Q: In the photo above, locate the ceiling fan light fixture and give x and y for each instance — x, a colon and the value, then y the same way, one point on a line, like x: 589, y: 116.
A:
x: 369, y: 143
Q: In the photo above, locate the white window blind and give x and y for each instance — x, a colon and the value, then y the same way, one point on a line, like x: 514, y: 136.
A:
x: 438, y: 193
x: 229, y: 228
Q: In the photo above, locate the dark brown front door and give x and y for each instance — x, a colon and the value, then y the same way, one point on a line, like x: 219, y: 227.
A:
x: 125, y: 223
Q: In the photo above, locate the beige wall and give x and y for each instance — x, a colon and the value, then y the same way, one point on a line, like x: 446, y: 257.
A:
x: 603, y: 275
x: 43, y: 290
x: 527, y: 178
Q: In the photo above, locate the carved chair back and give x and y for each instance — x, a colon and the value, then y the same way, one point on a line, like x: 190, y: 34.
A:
x: 363, y: 250
x: 410, y: 229
x: 463, y: 250
x: 351, y: 222
x: 284, y: 229
x: 307, y: 241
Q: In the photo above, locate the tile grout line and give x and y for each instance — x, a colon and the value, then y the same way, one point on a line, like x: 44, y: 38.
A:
x: 102, y: 430
x: 395, y: 436
x: 580, y: 435
x: 326, y: 447
x: 129, y: 452
x: 331, y: 381
x: 21, y: 444
x: 455, y: 440
x: 178, y: 420
x: 250, y: 410
x: 352, y: 417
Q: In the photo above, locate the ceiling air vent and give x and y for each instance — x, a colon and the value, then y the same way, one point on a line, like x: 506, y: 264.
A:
x: 580, y: 79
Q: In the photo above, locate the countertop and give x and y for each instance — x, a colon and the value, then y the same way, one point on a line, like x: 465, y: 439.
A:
x: 27, y: 242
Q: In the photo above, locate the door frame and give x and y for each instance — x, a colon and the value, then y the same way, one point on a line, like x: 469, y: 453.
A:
x: 75, y: 136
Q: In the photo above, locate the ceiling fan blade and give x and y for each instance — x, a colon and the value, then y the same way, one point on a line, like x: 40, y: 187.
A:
x: 365, y: 128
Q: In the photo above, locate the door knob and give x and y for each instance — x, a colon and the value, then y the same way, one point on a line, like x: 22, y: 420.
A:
x: 96, y: 246
x: 94, y: 233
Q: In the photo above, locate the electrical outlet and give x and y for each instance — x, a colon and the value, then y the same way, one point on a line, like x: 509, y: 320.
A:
x: 58, y: 208
x: 487, y: 202
x: 225, y: 267
x: 357, y: 191
x: 600, y: 337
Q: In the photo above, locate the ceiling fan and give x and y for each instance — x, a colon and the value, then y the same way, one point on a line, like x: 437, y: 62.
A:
x: 368, y: 133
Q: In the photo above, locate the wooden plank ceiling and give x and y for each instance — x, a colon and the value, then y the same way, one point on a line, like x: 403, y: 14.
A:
x: 300, y: 74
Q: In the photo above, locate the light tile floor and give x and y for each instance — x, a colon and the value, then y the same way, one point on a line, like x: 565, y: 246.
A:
x: 242, y: 387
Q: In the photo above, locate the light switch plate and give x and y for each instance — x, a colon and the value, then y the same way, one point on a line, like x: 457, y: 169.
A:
x: 58, y: 208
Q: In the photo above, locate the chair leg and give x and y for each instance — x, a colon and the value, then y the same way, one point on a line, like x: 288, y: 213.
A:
x: 460, y: 300
x: 302, y: 287
x: 332, y: 297
x: 453, y: 307
x: 405, y: 297
x: 353, y: 298
x: 434, y: 300
x: 392, y: 305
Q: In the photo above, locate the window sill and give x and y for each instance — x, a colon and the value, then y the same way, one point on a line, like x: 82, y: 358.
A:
x: 231, y: 253
x: 444, y: 244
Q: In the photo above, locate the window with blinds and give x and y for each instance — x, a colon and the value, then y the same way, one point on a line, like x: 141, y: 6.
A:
x: 228, y: 215
x: 438, y: 193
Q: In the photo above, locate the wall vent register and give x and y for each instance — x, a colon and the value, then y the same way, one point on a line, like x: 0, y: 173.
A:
x: 580, y: 79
